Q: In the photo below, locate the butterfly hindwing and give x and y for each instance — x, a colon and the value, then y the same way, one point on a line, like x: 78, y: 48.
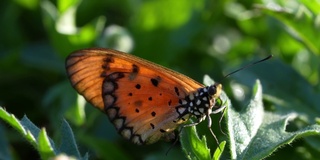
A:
x: 139, y: 97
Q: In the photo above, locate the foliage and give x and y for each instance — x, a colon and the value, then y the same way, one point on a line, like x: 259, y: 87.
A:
x: 192, y: 37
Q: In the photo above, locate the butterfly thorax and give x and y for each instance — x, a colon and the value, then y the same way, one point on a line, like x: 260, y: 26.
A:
x: 199, y: 103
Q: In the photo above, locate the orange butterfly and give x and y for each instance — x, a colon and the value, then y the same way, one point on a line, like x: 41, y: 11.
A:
x: 143, y: 100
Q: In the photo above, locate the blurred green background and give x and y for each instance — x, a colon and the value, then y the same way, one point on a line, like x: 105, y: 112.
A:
x: 192, y: 37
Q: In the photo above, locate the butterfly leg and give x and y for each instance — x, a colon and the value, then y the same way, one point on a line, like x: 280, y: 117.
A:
x: 220, y: 109
x: 214, y: 136
x: 220, y: 120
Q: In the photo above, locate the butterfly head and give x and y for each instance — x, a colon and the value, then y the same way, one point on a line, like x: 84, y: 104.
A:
x: 215, y: 90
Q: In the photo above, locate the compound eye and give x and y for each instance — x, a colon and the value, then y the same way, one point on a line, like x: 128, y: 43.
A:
x: 212, y: 90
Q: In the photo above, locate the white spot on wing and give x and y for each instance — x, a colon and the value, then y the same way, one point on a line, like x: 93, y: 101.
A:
x: 126, y: 133
x: 181, y: 110
x: 191, y: 96
x: 118, y: 123
x: 184, y: 102
x: 108, y: 100
x: 108, y: 87
x: 198, y: 102
x: 196, y: 113
x: 136, y: 140
x: 111, y: 113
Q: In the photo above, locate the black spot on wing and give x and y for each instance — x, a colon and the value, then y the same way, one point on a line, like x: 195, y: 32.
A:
x: 154, y: 82
x: 133, y: 74
x: 106, y: 65
x: 135, y: 68
x: 138, y: 86
x: 177, y: 91
x: 152, y: 125
x: 109, y: 59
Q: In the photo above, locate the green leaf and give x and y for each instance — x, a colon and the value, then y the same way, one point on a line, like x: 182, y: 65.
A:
x: 196, y: 148
x: 26, y: 128
x: 28, y: 125
x: 217, y: 154
x: 4, y: 149
x: 255, y: 134
x: 44, y: 146
x: 242, y: 127
x: 193, y: 146
x: 301, y: 23
x: 68, y: 143
x: 297, y: 96
x: 15, y: 123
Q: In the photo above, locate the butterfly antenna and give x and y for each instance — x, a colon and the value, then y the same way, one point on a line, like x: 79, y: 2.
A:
x: 248, y: 65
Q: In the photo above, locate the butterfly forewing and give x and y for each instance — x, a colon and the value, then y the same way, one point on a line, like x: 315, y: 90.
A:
x: 139, y: 97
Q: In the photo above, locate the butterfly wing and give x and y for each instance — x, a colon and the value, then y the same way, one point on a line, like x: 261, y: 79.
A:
x: 139, y: 97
